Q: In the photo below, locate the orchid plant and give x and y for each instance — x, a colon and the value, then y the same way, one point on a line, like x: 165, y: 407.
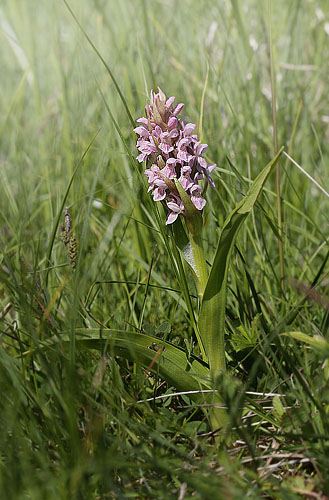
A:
x: 176, y: 167
x: 178, y: 176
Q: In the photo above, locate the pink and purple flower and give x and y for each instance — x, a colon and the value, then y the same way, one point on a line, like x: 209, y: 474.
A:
x: 168, y: 146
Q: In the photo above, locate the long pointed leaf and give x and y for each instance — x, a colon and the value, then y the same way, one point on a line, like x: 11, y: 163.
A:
x: 164, y: 358
x: 212, y: 313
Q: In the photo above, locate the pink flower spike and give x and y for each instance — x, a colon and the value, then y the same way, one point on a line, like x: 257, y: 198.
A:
x: 172, y: 151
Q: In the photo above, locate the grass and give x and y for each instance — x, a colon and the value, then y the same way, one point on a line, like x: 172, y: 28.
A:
x: 74, y: 420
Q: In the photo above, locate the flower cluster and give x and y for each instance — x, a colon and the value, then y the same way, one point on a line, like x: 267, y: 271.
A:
x: 174, y: 154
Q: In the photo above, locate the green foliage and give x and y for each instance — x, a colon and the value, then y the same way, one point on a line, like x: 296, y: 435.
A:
x: 77, y: 421
x: 212, y: 314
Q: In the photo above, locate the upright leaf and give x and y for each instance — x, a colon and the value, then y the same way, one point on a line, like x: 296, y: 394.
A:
x: 212, y: 313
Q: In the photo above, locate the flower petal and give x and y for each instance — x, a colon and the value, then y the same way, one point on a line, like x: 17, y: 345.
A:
x: 142, y: 157
x: 141, y: 131
x: 178, y: 109
x: 157, y: 131
x: 185, y: 181
x: 173, y: 133
x: 159, y: 194
x: 202, y: 162
x: 143, y: 120
x: 200, y: 149
x: 211, y: 167
x: 198, y: 202
x: 171, y: 217
x: 183, y: 155
x: 170, y: 102
x: 174, y: 207
x: 166, y: 148
x: 172, y: 122
x: 189, y: 127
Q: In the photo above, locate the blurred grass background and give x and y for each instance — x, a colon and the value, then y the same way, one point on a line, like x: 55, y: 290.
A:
x: 70, y: 425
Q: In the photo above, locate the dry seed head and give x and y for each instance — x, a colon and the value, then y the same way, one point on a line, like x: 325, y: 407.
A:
x: 67, y: 220
x: 73, y: 250
x: 64, y: 236
x: 69, y: 238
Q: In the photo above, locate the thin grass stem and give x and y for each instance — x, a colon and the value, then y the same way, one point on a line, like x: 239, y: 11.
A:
x: 275, y: 143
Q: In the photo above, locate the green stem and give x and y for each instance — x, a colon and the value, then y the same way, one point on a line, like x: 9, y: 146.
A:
x: 217, y: 416
x: 200, y: 263
x: 275, y: 142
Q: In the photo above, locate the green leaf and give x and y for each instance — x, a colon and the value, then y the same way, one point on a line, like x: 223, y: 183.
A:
x: 164, y: 328
x: 164, y: 358
x: 212, y: 313
x: 315, y: 341
x: 278, y: 408
x: 183, y: 243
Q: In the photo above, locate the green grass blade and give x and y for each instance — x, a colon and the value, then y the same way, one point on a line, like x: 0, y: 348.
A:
x: 124, y: 102
x: 60, y: 211
x: 212, y: 313
x: 314, y: 340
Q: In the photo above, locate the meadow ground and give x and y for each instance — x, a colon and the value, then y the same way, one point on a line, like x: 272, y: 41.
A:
x: 74, y: 423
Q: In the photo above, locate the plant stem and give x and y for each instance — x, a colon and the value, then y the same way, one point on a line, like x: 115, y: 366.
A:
x: 275, y: 141
x: 200, y: 263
